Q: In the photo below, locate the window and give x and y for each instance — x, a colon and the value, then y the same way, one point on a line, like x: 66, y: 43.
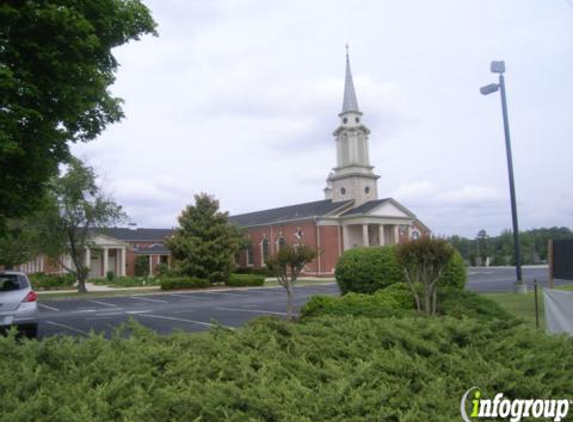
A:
x: 281, y: 242
x: 367, y: 190
x: 250, y: 254
x: 264, y: 251
x: 345, y: 120
x: 357, y: 120
x: 343, y: 191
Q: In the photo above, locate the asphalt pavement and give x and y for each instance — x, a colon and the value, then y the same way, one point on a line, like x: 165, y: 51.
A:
x: 200, y: 310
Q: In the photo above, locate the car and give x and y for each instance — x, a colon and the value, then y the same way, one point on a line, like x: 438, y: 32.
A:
x: 18, y: 303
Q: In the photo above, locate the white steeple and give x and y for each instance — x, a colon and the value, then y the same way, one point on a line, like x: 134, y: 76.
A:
x: 352, y: 178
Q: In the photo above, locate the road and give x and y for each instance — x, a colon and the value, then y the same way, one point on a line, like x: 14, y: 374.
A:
x: 201, y: 310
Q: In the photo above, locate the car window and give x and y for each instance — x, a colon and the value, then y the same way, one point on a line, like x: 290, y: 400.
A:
x: 10, y: 282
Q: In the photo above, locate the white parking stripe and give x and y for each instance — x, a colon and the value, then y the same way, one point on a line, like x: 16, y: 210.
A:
x: 148, y: 299
x: 67, y: 327
x: 256, y: 311
x: 136, y: 312
x: 206, y: 324
x: 48, y: 307
x: 112, y: 313
x: 103, y: 303
x: 189, y: 296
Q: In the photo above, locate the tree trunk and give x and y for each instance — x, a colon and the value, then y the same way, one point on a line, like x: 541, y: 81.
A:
x: 289, y: 290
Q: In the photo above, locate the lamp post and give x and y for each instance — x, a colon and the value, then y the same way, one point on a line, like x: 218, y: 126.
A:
x: 499, y: 68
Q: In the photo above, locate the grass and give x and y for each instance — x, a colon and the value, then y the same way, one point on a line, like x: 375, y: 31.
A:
x: 523, y: 305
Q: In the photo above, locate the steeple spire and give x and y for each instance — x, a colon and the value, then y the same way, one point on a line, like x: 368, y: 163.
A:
x: 350, y: 102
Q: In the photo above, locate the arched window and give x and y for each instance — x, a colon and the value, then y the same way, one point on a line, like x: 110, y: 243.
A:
x: 281, y: 243
x: 250, y: 254
x: 264, y: 252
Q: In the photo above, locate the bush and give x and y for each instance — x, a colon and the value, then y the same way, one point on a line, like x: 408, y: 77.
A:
x: 263, y: 271
x: 365, y: 270
x: 455, y: 274
x: 109, y: 276
x: 242, y: 280
x: 42, y: 281
x: 461, y: 303
x: 177, y: 283
x: 383, y: 303
x: 327, y: 369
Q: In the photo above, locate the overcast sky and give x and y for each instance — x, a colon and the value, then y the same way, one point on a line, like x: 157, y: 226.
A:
x: 239, y: 99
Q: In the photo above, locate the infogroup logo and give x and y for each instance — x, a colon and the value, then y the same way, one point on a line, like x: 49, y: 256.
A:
x: 515, y: 410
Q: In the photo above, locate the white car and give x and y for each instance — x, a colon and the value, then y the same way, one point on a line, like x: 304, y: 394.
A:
x: 18, y: 303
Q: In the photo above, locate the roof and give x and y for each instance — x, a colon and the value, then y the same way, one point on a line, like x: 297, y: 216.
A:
x: 156, y: 249
x: 292, y: 212
x: 141, y: 235
x: 350, y: 103
x: 366, y: 207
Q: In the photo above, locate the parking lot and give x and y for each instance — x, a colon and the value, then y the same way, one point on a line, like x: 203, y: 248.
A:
x: 165, y: 312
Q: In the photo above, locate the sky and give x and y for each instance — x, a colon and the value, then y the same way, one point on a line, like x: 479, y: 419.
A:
x: 239, y: 99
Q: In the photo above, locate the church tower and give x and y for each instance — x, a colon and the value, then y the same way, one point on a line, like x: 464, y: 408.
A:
x: 353, y: 176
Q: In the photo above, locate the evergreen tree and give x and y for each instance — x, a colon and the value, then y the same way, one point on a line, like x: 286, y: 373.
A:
x: 205, y: 243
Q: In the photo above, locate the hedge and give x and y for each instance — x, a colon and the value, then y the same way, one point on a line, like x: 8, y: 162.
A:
x: 264, y: 271
x: 242, y: 280
x: 365, y: 270
x: 42, y: 281
x: 339, y: 369
x: 177, y: 283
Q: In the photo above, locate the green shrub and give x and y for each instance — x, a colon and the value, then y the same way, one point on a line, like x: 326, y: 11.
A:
x: 42, y: 281
x: 328, y: 369
x: 177, y: 283
x: 142, y: 265
x: 455, y: 274
x: 402, y: 294
x: 109, y: 276
x: 242, y: 280
x: 263, y: 271
x: 382, y: 303
x: 365, y: 270
x: 461, y: 303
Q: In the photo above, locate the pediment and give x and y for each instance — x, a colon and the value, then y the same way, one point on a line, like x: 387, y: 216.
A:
x: 390, y: 209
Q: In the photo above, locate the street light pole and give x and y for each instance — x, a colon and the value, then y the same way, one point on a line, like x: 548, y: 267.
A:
x: 516, y: 244
x: 499, y: 67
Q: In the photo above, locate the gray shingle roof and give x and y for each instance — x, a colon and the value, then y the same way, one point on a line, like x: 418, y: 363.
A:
x: 141, y: 235
x: 292, y: 212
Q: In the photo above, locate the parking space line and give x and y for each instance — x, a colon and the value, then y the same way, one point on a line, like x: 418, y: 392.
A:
x: 206, y: 324
x: 256, y: 311
x: 137, y: 312
x: 48, y: 307
x: 188, y: 296
x: 148, y: 299
x: 109, y: 314
x: 67, y: 327
x: 103, y: 303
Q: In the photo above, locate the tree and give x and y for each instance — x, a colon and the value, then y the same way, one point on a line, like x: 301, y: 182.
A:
x: 423, y: 262
x: 205, y: 243
x: 80, y: 209
x: 287, y: 265
x: 56, y: 65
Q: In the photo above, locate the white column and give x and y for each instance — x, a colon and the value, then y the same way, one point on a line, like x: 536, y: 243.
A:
x: 409, y: 232
x: 381, y: 238
x: 365, y: 240
x: 122, y: 262
x: 345, y: 240
x: 88, y: 257
x: 396, y: 234
x: 150, y: 265
x: 105, y: 261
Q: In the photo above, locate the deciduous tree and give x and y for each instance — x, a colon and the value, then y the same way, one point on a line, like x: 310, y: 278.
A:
x: 287, y: 264
x: 56, y: 67
x: 80, y: 210
x: 423, y: 262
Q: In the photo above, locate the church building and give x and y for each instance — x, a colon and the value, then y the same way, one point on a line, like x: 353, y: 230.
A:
x: 351, y: 214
